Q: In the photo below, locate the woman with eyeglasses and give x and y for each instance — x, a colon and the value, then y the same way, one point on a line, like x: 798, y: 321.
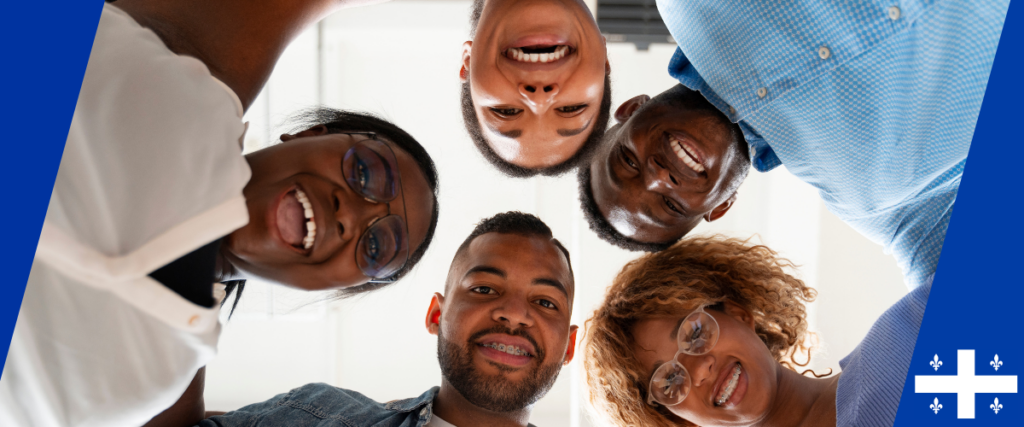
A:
x: 154, y: 203
x: 708, y: 332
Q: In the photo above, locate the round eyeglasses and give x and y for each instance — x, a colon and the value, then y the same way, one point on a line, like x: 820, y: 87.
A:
x: 697, y: 335
x: 371, y: 170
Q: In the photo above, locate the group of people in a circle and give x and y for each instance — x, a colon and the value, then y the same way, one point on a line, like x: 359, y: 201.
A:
x: 157, y: 217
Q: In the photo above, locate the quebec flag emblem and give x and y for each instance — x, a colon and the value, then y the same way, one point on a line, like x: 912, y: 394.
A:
x: 967, y: 383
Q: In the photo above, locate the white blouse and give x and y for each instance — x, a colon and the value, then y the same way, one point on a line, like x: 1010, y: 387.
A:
x: 152, y: 170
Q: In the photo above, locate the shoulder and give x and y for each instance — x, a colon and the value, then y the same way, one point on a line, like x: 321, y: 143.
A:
x: 322, y: 404
x: 876, y: 370
x: 132, y: 74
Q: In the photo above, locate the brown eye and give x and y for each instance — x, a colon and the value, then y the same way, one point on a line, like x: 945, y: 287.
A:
x: 572, y: 109
x: 627, y: 159
x: 506, y: 112
x: 672, y: 205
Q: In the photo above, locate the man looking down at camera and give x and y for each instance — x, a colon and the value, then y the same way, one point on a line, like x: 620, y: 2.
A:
x: 535, y: 84
x: 871, y: 103
x: 503, y: 334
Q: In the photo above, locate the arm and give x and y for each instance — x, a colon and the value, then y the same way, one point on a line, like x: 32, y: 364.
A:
x: 188, y: 410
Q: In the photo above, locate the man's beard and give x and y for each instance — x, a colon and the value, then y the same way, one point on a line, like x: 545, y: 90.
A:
x: 494, y: 393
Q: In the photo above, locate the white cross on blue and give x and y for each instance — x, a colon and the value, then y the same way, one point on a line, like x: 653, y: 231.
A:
x: 965, y: 384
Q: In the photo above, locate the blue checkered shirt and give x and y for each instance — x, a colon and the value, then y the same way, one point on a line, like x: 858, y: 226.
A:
x: 873, y: 103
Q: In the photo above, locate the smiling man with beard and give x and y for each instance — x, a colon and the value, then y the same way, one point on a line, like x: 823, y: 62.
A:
x: 503, y: 335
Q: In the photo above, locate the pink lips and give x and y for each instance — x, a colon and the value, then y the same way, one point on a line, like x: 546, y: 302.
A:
x: 539, y: 40
x: 723, y: 379
x: 503, y: 357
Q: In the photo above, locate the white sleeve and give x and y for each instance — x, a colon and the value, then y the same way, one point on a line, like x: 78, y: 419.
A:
x: 153, y: 146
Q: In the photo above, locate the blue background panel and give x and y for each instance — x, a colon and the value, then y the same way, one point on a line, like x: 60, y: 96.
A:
x: 976, y: 299
x: 46, y: 47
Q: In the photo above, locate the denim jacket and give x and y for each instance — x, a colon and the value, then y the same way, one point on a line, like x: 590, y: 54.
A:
x: 322, y: 405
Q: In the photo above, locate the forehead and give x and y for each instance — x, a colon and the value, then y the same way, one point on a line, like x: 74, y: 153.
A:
x: 534, y: 147
x: 418, y: 197
x: 654, y: 341
x: 523, y: 258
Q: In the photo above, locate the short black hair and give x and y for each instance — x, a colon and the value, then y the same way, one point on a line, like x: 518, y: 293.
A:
x: 517, y: 223
x: 601, y: 226
x: 474, y: 16
x: 340, y: 121
x: 593, y: 140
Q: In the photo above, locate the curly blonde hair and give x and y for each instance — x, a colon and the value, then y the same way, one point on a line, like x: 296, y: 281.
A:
x: 694, y: 272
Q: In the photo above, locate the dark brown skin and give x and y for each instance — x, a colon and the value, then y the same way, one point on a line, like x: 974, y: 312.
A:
x: 480, y: 300
x: 238, y: 40
x: 641, y: 186
x: 188, y: 410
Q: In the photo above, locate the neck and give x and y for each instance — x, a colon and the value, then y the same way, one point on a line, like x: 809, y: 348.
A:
x: 451, y: 406
x: 803, y: 401
x: 238, y: 40
x: 224, y: 270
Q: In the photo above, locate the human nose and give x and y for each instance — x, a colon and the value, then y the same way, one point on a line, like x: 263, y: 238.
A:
x: 514, y: 314
x: 539, y: 94
x: 701, y: 368
x: 353, y: 213
x: 658, y: 178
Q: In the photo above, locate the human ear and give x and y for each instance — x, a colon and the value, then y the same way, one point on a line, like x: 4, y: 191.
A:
x: 739, y: 313
x: 313, y: 131
x: 721, y: 209
x: 626, y: 110
x: 570, y: 351
x: 467, y: 49
x: 433, y: 321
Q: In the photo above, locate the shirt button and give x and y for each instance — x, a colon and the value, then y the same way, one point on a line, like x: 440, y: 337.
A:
x: 732, y: 110
x: 193, y: 320
x: 753, y: 153
x: 824, y: 52
x: 762, y: 92
x: 423, y: 412
x: 894, y: 13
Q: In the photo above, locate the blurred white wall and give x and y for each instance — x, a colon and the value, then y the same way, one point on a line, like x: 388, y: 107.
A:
x: 401, y: 60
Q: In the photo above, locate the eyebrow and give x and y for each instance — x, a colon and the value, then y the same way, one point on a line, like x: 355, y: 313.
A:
x: 487, y: 269
x: 574, y: 132
x: 544, y: 281
x: 516, y: 133
x: 551, y: 282
x: 674, y: 334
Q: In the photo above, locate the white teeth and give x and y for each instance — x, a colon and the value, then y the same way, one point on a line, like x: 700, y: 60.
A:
x: 510, y: 349
x: 685, y: 155
x: 518, y: 55
x: 307, y: 207
x: 730, y: 387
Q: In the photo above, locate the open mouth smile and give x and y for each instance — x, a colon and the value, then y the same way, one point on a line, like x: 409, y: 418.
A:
x: 295, y: 220
x: 687, y: 153
x: 507, y: 350
x: 731, y: 387
x: 540, y: 54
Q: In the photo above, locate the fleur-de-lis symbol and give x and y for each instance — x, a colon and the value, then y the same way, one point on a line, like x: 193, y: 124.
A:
x: 996, y: 406
x: 936, y: 362
x: 996, y: 363
x: 936, y: 406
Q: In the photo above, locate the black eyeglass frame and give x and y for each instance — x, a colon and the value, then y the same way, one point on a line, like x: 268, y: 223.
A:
x: 405, y: 215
